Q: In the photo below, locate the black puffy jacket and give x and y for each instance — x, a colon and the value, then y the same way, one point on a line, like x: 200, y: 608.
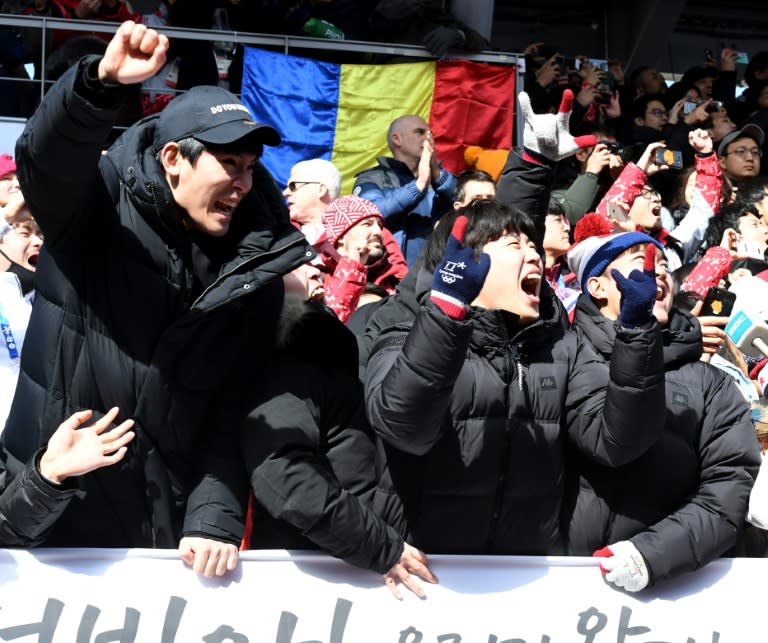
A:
x: 30, y: 505
x: 117, y: 318
x: 307, y: 450
x: 477, y: 414
x: 683, y: 502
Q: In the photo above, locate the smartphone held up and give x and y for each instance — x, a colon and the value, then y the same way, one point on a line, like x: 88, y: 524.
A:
x: 718, y: 302
x: 673, y: 159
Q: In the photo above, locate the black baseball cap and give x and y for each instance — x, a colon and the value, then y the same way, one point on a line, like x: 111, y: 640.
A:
x: 212, y: 115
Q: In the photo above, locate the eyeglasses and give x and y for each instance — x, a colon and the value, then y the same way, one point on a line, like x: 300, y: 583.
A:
x: 295, y: 185
x: 658, y: 112
x: 743, y: 152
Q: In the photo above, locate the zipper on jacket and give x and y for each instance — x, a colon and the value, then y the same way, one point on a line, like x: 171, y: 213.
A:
x: 511, y: 355
x: 501, y: 478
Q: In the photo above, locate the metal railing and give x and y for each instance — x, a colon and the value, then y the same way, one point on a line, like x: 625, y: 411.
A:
x: 284, y: 43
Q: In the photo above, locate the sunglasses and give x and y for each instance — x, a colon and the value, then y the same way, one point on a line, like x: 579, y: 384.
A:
x: 295, y: 185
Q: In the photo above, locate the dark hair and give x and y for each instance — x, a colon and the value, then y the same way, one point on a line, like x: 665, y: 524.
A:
x: 678, y: 91
x: 488, y: 221
x: 470, y: 175
x: 191, y: 149
x: 695, y: 74
x: 634, y: 77
x: 752, y: 190
x: 434, y: 247
x: 640, y: 104
x: 555, y: 206
x: 600, y: 130
x: 728, y: 217
x: 678, y: 198
x: 756, y: 63
x: 680, y: 275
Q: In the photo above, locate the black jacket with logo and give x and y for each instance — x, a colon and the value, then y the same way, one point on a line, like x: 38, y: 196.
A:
x: 476, y: 415
x: 119, y: 318
x: 683, y: 502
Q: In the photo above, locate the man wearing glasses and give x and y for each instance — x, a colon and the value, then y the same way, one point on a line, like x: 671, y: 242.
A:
x: 312, y: 186
x: 740, y: 152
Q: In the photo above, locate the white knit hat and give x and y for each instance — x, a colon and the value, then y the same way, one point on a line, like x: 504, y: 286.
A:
x: 590, y: 257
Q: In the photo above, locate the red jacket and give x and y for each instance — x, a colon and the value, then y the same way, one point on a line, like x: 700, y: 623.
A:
x: 345, y: 279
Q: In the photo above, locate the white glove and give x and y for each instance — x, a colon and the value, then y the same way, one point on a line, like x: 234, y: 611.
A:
x: 547, y: 135
x: 624, y: 566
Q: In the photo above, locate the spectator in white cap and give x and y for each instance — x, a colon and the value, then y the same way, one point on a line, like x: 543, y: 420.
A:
x: 311, y: 187
x: 160, y: 287
x: 683, y: 502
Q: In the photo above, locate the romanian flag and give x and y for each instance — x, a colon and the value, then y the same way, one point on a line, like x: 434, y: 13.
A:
x: 341, y: 112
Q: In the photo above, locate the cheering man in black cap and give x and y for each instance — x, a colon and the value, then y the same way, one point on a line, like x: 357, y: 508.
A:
x: 160, y: 285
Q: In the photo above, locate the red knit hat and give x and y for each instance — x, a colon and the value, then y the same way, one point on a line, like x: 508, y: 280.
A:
x: 7, y: 165
x: 345, y: 212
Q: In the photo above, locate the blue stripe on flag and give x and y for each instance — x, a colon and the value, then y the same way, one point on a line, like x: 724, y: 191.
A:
x: 297, y: 96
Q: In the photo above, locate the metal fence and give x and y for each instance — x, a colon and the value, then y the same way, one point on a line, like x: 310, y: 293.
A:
x: 286, y: 44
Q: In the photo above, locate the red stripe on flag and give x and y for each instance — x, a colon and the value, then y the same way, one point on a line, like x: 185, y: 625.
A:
x: 473, y: 104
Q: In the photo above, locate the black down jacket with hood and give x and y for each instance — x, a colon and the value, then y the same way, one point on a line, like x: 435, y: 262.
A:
x: 476, y: 415
x: 683, y: 503
x: 118, y: 319
x: 307, y: 449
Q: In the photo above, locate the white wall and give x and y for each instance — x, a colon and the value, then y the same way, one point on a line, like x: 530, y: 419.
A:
x: 10, y: 130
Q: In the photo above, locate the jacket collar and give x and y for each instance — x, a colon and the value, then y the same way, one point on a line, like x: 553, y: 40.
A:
x: 681, y: 336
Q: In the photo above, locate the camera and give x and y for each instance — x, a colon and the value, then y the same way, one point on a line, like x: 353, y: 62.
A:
x: 630, y: 152
x: 614, y: 147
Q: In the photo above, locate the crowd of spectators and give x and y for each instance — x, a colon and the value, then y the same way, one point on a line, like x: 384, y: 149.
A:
x: 195, y: 62
x: 536, y: 359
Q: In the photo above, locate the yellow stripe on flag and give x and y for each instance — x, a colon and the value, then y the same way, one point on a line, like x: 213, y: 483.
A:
x: 370, y: 98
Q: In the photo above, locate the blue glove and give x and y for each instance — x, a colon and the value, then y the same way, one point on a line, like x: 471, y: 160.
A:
x: 638, y: 292
x: 458, y: 278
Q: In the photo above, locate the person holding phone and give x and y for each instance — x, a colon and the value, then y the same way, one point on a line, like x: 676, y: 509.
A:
x: 641, y: 202
x: 683, y: 242
x: 683, y: 503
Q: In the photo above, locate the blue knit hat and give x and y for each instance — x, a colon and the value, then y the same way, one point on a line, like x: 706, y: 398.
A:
x: 590, y: 257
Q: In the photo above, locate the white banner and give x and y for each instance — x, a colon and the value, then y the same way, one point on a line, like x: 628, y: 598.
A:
x: 149, y: 596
